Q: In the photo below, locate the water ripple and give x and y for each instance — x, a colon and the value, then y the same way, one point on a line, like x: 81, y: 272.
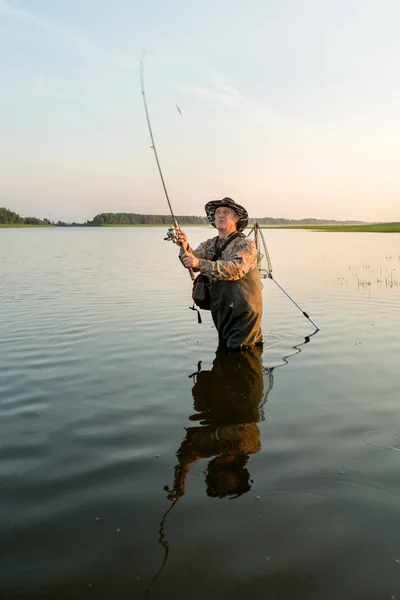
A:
x: 99, y: 354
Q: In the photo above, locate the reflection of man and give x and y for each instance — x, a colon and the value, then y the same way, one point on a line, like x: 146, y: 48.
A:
x: 235, y: 287
x: 227, y: 401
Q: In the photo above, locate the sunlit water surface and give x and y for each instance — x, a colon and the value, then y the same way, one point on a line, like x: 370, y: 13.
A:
x: 293, y: 493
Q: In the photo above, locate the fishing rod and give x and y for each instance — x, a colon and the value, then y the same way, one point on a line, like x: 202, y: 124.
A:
x: 267, y: 273
x: 171, y: 235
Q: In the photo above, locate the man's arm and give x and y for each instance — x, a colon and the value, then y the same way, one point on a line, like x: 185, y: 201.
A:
x: 200, y: 252
x: 240, y: 257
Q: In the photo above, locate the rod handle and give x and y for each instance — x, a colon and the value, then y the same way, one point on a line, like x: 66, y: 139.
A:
x: 191, y: 273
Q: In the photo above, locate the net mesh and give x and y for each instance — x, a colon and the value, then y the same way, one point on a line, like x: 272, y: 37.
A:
x: 264, y: 259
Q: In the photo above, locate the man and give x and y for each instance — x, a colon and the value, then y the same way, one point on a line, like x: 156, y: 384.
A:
x: 235, y: 286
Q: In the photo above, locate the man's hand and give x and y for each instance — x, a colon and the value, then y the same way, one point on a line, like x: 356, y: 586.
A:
x: 181, y: 238
x: 190, y: 261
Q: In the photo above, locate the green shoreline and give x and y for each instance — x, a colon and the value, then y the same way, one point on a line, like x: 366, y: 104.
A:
x: 368, y: 228
x: 19, y: 225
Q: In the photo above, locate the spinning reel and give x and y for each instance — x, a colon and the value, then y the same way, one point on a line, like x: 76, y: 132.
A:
x: 171, y: 235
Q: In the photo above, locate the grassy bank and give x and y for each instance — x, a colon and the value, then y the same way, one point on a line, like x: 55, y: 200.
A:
x: 81, y: 225
x: 13, y: 225
x: 371, y: 227
x: 162, y: 225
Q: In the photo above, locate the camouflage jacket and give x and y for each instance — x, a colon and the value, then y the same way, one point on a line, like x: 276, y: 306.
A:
x: 237, y: 259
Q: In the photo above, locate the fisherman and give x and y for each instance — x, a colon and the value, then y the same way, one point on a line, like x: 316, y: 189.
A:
x: 235, y: 286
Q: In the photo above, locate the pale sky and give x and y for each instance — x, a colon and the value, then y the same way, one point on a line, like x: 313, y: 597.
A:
x: 290, y: 107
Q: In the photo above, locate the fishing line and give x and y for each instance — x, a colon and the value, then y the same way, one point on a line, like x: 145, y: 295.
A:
x: 164, y: 543
x: 171, y: 233
x: 267, y: 273
x: 153, y: 146
x: 269, y: 371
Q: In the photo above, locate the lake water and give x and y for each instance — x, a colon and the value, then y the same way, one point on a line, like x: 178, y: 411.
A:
x: 282, y: 478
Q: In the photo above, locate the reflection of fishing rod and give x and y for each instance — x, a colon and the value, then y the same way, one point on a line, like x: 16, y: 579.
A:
x: 269, y: 371
x: 267, y: 273
x: 171, y: 235
x: 296, y: 349
x: 164, y: 543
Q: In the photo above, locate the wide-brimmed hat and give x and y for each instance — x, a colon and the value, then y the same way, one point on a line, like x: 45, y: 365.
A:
x: 212, y: 206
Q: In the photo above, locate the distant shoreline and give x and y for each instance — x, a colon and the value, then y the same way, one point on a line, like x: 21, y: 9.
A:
x: 10, y: 219
x: 364, y: 228
x: 25, y: 226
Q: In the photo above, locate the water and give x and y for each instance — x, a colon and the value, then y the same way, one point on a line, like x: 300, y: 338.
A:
x: 292, y: 493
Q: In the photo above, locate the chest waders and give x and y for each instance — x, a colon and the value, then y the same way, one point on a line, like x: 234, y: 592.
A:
x: 236, y: 309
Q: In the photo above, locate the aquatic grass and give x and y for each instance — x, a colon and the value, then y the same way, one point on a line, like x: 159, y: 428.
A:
x: 389, y: 280
x: 368, y: 275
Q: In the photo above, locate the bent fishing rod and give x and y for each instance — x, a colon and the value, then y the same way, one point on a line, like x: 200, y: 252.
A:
x: 171, y: 235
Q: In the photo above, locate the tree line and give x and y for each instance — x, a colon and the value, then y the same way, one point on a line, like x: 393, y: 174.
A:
x: 9, y: 217
x: 104, y: 219
x: 309, y: 221
x: 12, y: 218
x: 142, y: 219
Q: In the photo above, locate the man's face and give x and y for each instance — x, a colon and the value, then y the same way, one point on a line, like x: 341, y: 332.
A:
x: 225, y: 218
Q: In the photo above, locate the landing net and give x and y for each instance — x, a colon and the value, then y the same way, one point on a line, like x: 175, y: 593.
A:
x: 263, y: 257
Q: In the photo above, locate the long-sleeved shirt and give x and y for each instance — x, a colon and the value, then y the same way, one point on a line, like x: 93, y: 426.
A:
x: 237, y: 259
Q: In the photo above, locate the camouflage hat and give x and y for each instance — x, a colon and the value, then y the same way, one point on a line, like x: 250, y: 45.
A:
x: 212, y: 206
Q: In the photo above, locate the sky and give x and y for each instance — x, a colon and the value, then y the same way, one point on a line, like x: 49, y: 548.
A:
x: 291, y: 108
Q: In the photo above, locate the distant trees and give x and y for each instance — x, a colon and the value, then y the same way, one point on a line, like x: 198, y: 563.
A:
x: 102, y: 219
x: 309, y: 221
x: 276, y: 221
x: 33, y: 221
x: 141, y: 219
x: 9, y: 217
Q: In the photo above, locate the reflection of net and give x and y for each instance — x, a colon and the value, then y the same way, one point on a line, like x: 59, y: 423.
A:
x: 268, y: 376
x: 264, y: 267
